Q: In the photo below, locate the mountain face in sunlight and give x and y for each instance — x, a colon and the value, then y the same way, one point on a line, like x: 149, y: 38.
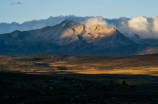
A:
x: 71, y: 38
x: 144, y: 27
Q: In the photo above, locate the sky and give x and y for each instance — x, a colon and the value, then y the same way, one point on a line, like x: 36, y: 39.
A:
x: 26, y: 10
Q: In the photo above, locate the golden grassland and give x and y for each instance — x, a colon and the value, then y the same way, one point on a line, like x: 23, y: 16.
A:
x: 62, y: 64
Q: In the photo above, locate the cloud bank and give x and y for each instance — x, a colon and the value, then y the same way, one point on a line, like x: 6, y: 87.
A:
x: 145, y: 27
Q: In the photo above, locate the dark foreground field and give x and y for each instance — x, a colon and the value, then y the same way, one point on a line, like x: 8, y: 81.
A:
x: 18, y: 88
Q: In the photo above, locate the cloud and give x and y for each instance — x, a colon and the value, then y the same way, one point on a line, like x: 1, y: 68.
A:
x: 15, y: 3
x: 93, y: 21
x: 145, y: 27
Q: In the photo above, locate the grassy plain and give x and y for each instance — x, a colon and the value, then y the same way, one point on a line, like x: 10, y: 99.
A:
x: 62, y: 64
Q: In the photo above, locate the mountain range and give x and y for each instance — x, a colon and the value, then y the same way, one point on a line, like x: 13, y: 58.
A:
x: 70, y: 38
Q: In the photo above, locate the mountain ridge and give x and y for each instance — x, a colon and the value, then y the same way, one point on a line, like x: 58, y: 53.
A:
x: 70, y: 38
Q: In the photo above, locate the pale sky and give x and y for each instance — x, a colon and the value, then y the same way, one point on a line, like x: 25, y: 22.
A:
x: 26, y: 10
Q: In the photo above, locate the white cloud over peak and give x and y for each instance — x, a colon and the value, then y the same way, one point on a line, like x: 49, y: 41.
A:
x: 93, y: 21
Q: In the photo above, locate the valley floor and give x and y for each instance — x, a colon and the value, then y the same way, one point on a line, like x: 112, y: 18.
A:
x: 64, y: 64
